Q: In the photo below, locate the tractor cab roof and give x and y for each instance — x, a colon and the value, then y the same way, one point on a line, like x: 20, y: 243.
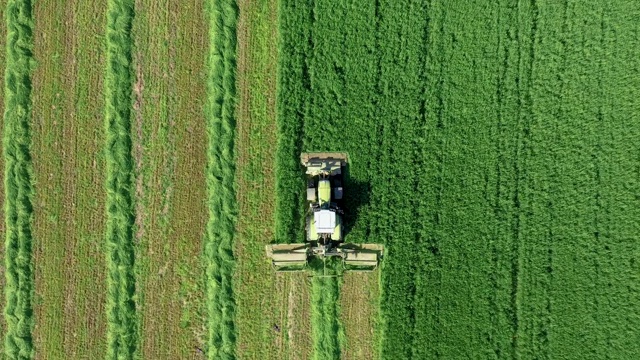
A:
x: 325, y: 221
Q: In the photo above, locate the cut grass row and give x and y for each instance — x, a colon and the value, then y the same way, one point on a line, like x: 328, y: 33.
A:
x: 18, y: 178
x: 3, y: 35
x: 221, y: 179
x: 122, y: 339
x: 327, y: 331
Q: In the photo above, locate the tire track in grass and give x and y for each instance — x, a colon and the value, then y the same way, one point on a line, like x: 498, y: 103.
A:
x: 526, y: 325
x: 618, y: 134
x: 504, y: 183
x: 595, y: 33
x: 19, y: 291
x: 430, y: 182
x: 547, y: 69
x: 525, y: 34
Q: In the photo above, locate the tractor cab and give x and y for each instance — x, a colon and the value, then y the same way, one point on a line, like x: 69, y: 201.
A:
x: 324, y: 222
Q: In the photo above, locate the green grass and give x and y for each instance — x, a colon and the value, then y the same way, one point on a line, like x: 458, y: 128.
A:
x: 3, y: 35
x: 255, y: 284
x: 121, y: 313
x: 18, y: 182
x: 221, y: 180
x: 493, y: 149
x: 327, y: 331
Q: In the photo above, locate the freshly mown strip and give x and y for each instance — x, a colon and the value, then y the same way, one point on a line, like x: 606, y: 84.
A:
x: 221, y: 179
x: 68, y: 167
x: 169, y: 150
x: 18, y: 182
x: 122, y: 338
x: 284, y: 331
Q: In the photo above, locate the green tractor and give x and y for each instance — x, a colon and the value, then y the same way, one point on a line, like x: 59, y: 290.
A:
x: 324, y: 223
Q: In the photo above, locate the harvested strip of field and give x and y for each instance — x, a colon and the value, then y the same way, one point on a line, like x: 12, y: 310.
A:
x: 122, y: 339
x: 359, y: 296
x: 169, y: 147
x: 69, y: 201
x: 18, y: 311
x: 282, y: 332
x: 221, y: 179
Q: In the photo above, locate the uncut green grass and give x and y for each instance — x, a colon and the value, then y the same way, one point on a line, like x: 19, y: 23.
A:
x: 493, y: 151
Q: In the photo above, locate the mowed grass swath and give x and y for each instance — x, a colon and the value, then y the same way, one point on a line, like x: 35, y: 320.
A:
x: 327, y: 331
x: 121, y: 308
x: 221, y: 179
x: 18, y: 182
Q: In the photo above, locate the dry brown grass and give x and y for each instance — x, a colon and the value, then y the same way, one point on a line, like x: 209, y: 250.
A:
x: 69, y: 199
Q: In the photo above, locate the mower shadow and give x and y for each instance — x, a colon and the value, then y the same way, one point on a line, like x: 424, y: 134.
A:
x: 356, y: 195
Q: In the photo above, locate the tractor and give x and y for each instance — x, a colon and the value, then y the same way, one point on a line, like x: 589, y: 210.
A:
x: 324, y: 221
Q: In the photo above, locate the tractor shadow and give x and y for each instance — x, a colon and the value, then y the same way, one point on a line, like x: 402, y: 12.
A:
x: 356, y: 195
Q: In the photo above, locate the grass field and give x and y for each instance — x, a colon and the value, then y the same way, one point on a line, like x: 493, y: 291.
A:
x: 493, y: 151
x: 150, y: 155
